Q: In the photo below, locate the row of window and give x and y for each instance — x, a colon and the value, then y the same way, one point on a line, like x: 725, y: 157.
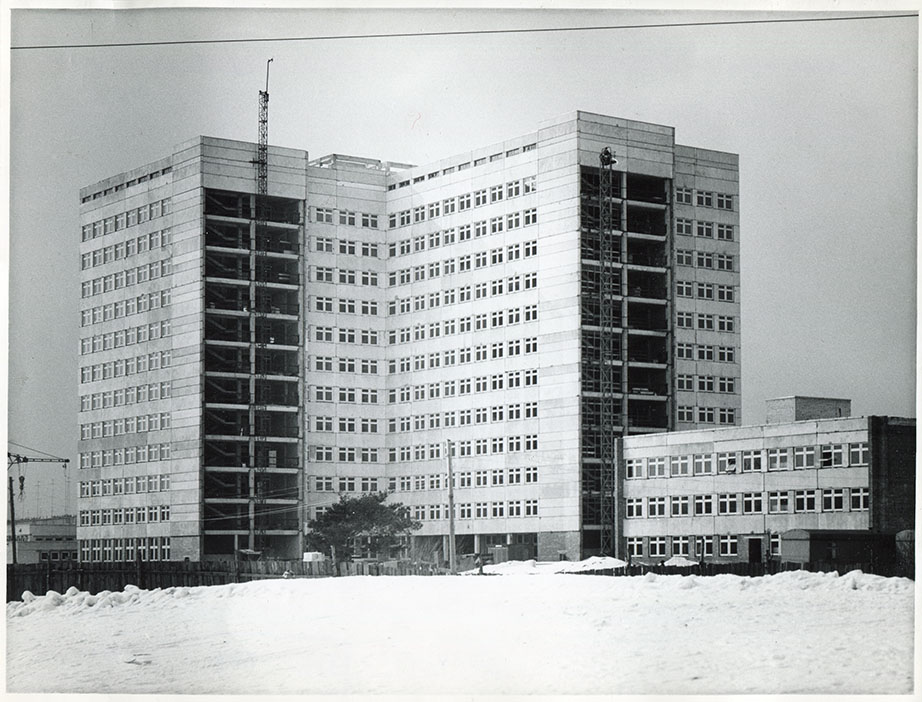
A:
x: 706, y: 415
x: 703, y: 198
x: 464, y: 448
x: 750, y: 461
x: 129, y: 218
x: 125, y: 308
x: 450, y: 357
x: 477, y: 322
x: 124, y: 337
x: 125, y: 515
x: 121, y: 186
x: 126, y: 455
x: 368, y: 337
x: 125, y: 486
x: 705, y: 322
x: 706, y: 230
x: 347, y: 218
x: 465, y: 165
x: 704, y: 259
x: 125, y: 249
x: 126, y: 278
x: 463, y: 202
x: 463, y: 264
x: 57, y: 555
x: 705, y: 383
x: 345, y: 306
x: 344, y: 276
x: 125, y: 396
x: 705, y: 352
x: 127, y: 366
x: 705, y: 291
x: 478, y: 510
x: 125, y: 425
x: 465, y: 417
x: 348, y: 247
x: 727, y: 504
x: 145, y: 548
x: 727, y: 545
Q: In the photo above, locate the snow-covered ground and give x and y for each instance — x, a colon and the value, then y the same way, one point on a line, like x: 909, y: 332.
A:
x: 557, y: 634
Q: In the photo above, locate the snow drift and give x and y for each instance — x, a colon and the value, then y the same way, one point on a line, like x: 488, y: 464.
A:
x: 794, y: 632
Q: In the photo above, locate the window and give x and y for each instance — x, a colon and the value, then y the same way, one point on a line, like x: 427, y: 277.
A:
x: 685, y: 351
x: 683, y: 226
x: 704, y: 504
x: 704, y: 199
x: 324, y: 215
x: 706, y: 415
x: 683, y: 196
x: 680, y: 506
x: 725, y: 323
x: 858, y: 454
x: 832, y: 456
x: 727, y: 545
x: 656, y: 467
x: 634, y: 507
x: 834, y: 500
x: 705, y: 229
x: 725, y: 293
x: 752, y: 461
x: 656, y: 506
x: 704, y: 464
x: 633, y: 468
x: 684, y: 413
x: 684, y: 288
x: 804, y: 501
x: 657, y: 545
x: 778, y: 502
x: 684, y: 320
x: 725, y: 233
x: 724, y: 202
x: 706, y: 322
x: 680, y: 465
x: 778, y: 459
x: 859, y: 499
x: 727, y: 503
x: 804, y: 457
x: 635, y: 546
x: 752, y: 503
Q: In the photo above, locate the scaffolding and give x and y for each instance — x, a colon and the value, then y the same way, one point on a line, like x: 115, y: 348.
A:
x: 610, y: 320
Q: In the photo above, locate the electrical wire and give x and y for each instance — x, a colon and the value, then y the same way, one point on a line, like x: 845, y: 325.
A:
x: 462, y: 32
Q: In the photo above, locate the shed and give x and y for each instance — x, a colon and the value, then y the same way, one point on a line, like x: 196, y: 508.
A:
x: 845, y: 546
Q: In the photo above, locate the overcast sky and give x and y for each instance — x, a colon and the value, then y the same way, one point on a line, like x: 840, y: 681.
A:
x: 823, y: 115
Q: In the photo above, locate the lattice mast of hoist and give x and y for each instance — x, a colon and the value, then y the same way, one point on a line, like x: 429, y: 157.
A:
x: 258, y: 486
x: 609, y: 289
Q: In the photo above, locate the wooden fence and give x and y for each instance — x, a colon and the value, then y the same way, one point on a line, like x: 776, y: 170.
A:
x: 39, y: 578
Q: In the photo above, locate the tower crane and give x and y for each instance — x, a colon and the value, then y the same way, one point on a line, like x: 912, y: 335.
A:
x: 18, y: 459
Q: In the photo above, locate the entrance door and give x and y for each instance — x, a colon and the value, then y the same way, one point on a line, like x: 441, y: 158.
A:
x: 755, y: 550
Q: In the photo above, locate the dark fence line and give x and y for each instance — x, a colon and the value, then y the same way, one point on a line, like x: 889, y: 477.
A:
x: 757, y: 569
x: 94, y: 578
x: 39, y: 578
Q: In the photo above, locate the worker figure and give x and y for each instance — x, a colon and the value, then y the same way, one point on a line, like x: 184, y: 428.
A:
x: 478, y: 561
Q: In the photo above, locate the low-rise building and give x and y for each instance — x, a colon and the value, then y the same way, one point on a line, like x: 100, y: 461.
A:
x: 44, y: 539
x: 729, y: 493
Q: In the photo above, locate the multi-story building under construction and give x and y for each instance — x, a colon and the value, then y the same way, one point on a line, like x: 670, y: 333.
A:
x: 253, y: 346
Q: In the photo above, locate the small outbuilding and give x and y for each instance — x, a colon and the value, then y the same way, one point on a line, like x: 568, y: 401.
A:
x: 836, y: 546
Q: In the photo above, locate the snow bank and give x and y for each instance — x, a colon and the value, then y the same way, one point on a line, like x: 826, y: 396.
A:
x: 794, y: 632
x: 533, y: 567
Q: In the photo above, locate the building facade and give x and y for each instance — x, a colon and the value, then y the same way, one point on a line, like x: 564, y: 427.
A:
x: 729, y: 494
x: 246, y: 358
x: 44, y: 539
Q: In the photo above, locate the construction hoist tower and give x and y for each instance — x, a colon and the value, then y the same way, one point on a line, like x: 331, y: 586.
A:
x: 610, y: 351
x: 258, y: 487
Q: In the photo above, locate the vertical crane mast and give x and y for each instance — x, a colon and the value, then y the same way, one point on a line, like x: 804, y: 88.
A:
x: 610, y: 320
x: 257, y: 485
x: 14, y: 459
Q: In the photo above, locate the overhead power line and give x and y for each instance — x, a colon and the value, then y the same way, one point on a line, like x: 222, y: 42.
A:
x: 463, y: 32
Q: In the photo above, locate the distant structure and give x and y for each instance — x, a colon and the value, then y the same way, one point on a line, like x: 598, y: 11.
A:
x: 40, y: 540
x: 256, y: 342
x: 730, y: 494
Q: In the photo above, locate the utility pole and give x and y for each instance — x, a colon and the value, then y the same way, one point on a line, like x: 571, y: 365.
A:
x: 452, y: 558
x: 16, y: 459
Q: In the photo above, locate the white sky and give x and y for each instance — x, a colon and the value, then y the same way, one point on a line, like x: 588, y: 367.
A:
x: 823, y: 115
